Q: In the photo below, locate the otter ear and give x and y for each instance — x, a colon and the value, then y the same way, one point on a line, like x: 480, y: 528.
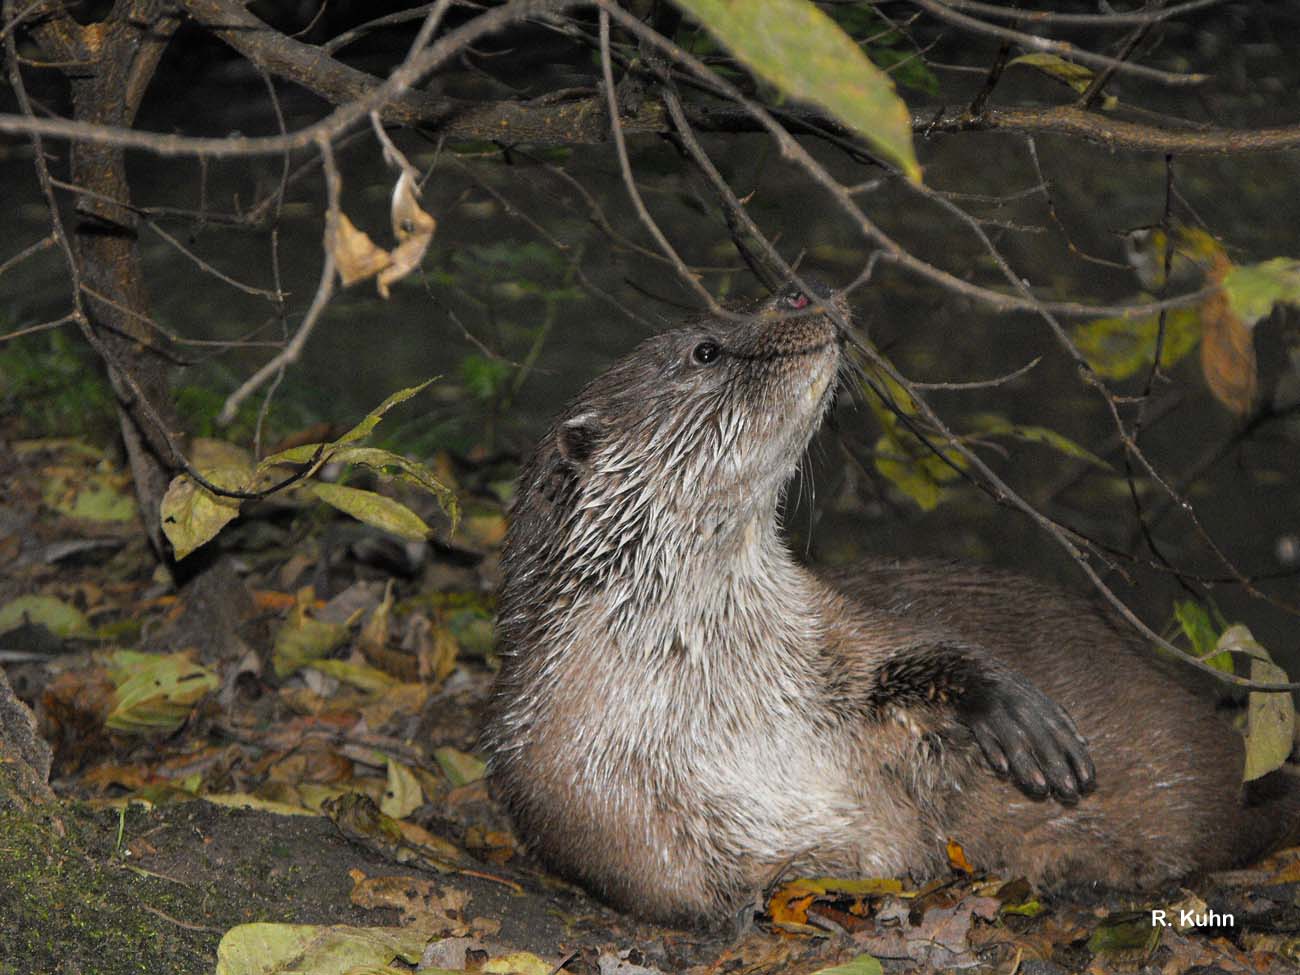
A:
x: 578, y: 438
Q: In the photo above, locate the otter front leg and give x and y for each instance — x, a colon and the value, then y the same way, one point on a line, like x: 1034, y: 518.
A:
x: 1023, y: 733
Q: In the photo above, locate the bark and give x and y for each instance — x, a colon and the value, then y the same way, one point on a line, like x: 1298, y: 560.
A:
x: 113, y: 61
x: 24, y: 755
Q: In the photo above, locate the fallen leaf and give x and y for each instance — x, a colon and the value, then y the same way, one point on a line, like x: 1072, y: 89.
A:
x: 54, y: 614
x: 155, y: 692
x: 403, y: 795
x: 461, y: 768
x: 957, y: 857
x: 281, y: 949
x: 861, y: 965
x: 100, y: 495
x: 302, y: 639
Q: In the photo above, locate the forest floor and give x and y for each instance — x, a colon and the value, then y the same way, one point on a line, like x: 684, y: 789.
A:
x: 287, y: 781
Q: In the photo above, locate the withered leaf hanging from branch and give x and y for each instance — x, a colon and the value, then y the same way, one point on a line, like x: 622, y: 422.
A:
x: 413, y: 229
x: 359, y: 258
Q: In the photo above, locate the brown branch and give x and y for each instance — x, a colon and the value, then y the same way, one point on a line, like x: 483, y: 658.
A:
x: 307, y: 64
x: 546, y: 121
x: 372, y: 99
x: 1065, y: 49
x: 1117, y: 134
x: 995, y: 11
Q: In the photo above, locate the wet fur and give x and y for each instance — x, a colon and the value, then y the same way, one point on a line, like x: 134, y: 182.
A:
x: 683, y: 710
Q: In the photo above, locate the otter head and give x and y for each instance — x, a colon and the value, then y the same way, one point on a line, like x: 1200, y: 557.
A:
x: 681, y: 449
x: 710, y: 415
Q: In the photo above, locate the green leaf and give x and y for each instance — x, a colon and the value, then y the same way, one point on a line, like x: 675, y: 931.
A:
x: 1254, y: 289
x: 1077, y: 76
x: 94, y: 497
x: 900, y: 455
x: 991, y: 424
x: 155, y: 692
x: 461, y: 768
x: 192, y: 515
x: 55, y: 615
x: 794, y: 46
x: 361, y: 676
x: 374, y: 509
x: 861, y: 965
x: 304, y: 640
x: 384, y: 462
x: 1121, y: 347
x: 1270, y: 717
x: 1125, y: 934
x: 364, y: 428
x: 906, y: 68
x: 920, y: 477
x: 393, y: 516
x: 482, y: 376
x: 297, y: 949
x: 1195, y: 622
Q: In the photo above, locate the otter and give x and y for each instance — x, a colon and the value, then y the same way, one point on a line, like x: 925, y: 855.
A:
x: 683, y: 710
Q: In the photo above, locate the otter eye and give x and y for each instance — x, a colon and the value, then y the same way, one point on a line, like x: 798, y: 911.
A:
x: 706, y: 352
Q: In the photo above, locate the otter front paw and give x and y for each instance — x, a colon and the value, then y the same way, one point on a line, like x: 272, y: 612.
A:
x: 1026, y: 736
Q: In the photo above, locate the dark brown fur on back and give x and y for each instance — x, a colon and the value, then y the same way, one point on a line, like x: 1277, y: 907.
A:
x: 683, y: 710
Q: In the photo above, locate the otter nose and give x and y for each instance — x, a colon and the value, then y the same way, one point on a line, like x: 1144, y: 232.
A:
x: 794, y: 298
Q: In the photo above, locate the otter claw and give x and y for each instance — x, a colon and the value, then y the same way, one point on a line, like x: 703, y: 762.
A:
x: 1027, y: 737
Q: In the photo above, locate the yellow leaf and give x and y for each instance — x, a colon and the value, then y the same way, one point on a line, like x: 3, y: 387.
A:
x: 1270, y: 717
x: 374, y: 509
x: 403, y: 795
x: 460, y: 767
x: 794, y: 46
x: 155, y: 692
x: 957, y: 857
x: 303, y: 639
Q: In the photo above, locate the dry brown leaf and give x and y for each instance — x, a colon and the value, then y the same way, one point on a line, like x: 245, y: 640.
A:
x: 489, y: 845
x: 1227, y: 352
x: 433, y: 908
x: 412, y: 227
x: 957, y: 857
x: 355, y: 254
x: 403, y: 699
x: 312, y: 761
x: 373, y: 637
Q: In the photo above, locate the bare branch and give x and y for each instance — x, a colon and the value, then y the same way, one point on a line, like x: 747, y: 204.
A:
x: 1064, y: 49
x: 1112, y: 19
x: 324, y: 291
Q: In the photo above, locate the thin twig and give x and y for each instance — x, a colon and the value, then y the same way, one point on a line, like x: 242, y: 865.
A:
x: 324, y: 291
x: 629, y: 181
x: 1112, y: 19
x: 1063, y: 49
x: 45, y: 243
